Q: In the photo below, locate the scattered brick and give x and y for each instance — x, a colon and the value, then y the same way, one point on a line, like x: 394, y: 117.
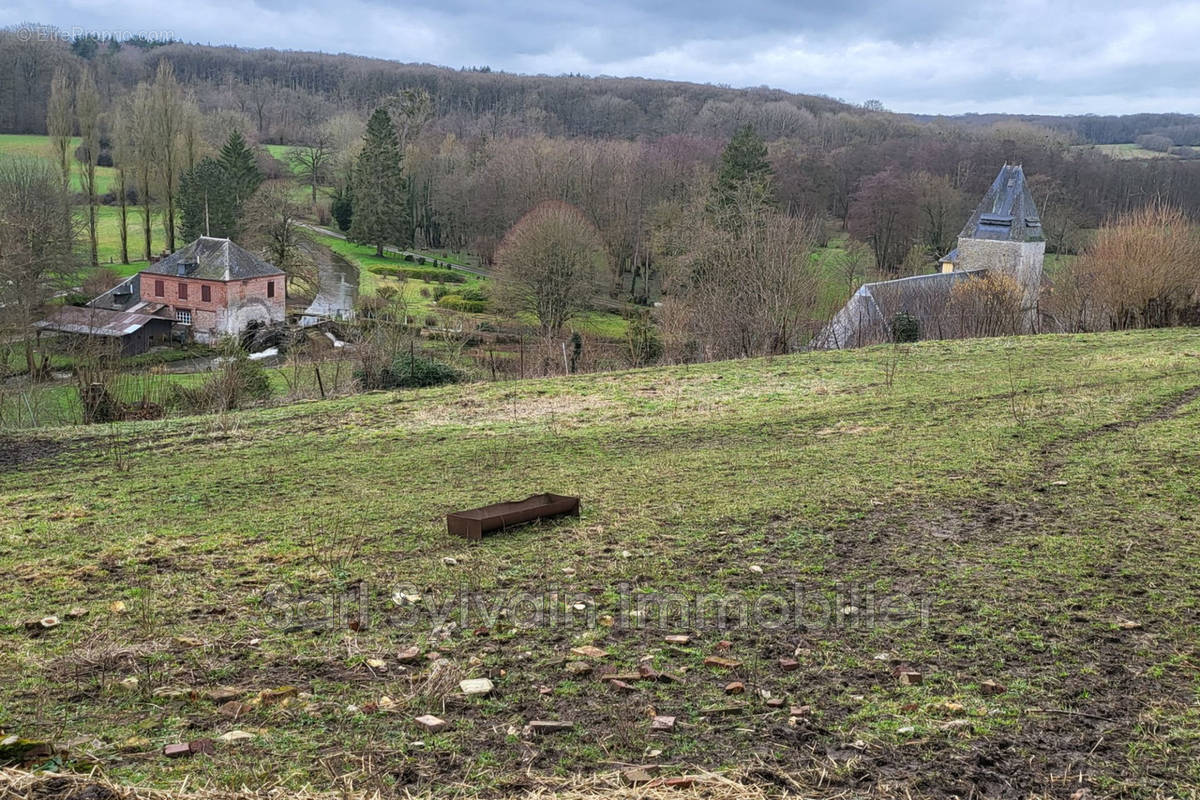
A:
x: 177, y: 750
x: 431, y: 723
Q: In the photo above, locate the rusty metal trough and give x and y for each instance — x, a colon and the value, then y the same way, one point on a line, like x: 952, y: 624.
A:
x: 472, y: 524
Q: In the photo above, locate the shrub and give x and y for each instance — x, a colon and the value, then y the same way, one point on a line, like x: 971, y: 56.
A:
x: 456, y: 302
x: 421, y: 260
x: 431, y: 321
x: 237, y: 384
x: 473, y: 293
x: 409, y: 257
x: 411, y: 372
x: 424, y: 292
x: 427, y: 274
x: 371, y: 307
x: 905, y: 328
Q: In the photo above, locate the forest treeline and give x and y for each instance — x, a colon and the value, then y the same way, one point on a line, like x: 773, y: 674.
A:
x: 482, y: 148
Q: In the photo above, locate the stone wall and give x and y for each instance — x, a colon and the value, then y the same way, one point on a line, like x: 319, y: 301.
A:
x: 1021, y: 260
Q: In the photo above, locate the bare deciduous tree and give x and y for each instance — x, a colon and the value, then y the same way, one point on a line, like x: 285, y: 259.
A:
x: 550, y: 265
x: 270, y: 226
x: 741, y: 285
x: 87, y: 112
x: 37, y: 239
x: 60, y: 125
x: 313, y: 160
x: 1141, y: 270
x: 169, y: 115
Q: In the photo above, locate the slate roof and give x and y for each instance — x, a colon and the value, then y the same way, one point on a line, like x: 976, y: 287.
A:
x: 919, y: 295
x: 867, y: 317
x: 95, y: 321
x: 209, y: 258
x: 1007, y: 212
x: 122, y: 297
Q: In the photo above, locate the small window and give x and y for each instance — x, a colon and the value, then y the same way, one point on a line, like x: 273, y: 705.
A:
x: 159, y: 289
x: 183, y: 316
x: 205, y: 294
x: 183, y: 291
x: 270, y: 288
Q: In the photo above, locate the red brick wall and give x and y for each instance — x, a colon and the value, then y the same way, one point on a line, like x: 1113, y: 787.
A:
x: 223, y: 295
x: 170, y: 294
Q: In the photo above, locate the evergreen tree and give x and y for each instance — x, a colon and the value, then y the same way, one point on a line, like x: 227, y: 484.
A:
x: 207, y: 204
x: 379, y: 205
x: 342, y: 206
x: 213, y: 194
x: 744, y: 160
x: 241, y: 169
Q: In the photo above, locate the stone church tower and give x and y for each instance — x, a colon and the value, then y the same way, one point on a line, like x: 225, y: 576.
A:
x: 1004, y: 234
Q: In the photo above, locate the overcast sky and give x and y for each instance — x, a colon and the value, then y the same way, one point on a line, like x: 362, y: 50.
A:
x: 938, y: 56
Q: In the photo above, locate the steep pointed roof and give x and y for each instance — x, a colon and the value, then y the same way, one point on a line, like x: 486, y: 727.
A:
x: 1007, y: 212
x: 209, y: 258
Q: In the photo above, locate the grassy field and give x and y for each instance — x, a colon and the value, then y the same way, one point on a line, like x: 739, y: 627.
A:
x: 58, y: 403
x: 1017, y: 511
x: 33, y: 146
x: 418, y: 294
x: 1124, y: 151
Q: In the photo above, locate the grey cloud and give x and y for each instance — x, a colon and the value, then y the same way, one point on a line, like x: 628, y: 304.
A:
x: 1017, y: 55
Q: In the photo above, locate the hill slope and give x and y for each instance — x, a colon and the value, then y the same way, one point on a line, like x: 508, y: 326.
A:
x: 1020, y: 511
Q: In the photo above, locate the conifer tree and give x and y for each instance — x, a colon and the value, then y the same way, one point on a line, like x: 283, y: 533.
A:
x: 744, y: 160
x: 241, y: 169
x: 206, y: 201
x: 378, y: 186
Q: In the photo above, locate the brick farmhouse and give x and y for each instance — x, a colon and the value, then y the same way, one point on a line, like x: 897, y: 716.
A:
x: 215, y: 288
x: 209, y: 289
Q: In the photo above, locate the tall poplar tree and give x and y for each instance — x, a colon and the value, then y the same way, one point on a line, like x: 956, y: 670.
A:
x: 379, y: 205
x: 169, y: 119
x: 87, y: 113
x: 123, y: 160
x: 60, y: 125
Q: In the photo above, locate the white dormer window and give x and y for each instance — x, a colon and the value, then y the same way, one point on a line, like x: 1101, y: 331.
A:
x: 183, y: 316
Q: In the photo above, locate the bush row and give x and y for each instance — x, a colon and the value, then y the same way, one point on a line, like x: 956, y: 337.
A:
x: 456, y: 302
x: 427, y: 274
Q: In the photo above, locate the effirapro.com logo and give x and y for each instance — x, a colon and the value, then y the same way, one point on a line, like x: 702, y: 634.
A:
x: 49, y: 33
